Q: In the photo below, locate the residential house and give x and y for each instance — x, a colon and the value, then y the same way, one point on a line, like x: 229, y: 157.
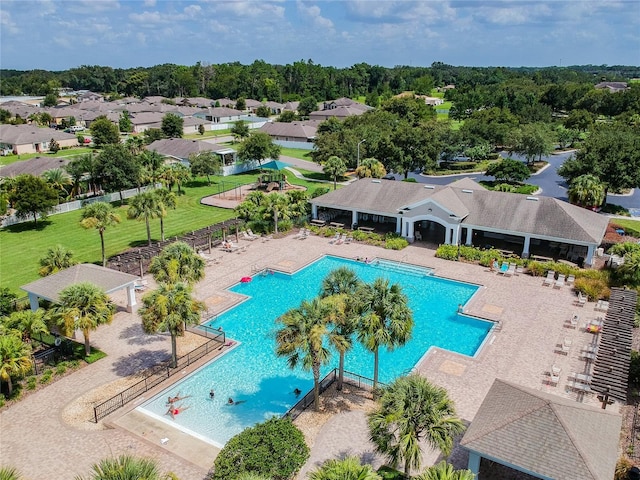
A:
x: 285, y: 133
x: 89, y: 96
x: 613, y: 87
x: 19, y: 139
x: 274, y: 107
x: 219, y: 114
x: 145, y: 120
x: 181, y: 149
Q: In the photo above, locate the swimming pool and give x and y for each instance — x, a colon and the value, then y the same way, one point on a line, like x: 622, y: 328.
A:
x: 252, y: 374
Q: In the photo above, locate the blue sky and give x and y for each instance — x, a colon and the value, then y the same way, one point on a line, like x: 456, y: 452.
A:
x: 56, y: 35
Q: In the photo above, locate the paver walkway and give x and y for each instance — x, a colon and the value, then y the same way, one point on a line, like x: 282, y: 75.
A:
x: 35, y: 439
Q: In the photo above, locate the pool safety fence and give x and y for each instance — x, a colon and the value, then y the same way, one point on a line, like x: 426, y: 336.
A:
x: 156, y: 376
x: 350, y: 378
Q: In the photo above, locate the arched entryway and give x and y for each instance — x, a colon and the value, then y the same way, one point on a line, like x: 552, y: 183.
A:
x: 429, y: 231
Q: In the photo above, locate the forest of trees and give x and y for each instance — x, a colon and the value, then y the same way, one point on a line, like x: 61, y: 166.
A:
x: 302, y: 79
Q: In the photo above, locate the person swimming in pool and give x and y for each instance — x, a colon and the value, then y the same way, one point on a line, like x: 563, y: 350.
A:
x: 212, y: 394
x: 297, y: 392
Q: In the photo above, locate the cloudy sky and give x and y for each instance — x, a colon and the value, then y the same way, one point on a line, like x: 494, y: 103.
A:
x: 59, y: 34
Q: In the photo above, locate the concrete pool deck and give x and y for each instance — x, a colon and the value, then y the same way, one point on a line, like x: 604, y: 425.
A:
x: 36, y: 439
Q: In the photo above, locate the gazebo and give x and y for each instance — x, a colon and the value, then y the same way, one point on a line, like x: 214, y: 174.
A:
x: 543, y: 435
x: 107, y: 279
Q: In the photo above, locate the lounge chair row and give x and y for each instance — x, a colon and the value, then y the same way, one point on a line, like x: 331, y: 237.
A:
x: 508, y: 269
x: 340, y: 239
x: 560, y: 282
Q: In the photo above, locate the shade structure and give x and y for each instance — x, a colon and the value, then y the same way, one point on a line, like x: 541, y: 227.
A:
x: 275, y: 165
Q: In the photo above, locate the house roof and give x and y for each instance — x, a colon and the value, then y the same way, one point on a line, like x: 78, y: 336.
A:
x: 292, y: 129
x: 500, y: 211
x: 25, y: 134
x: 339, y: 112
x: 182, y: 148
x: 545, y: 434
x: 107, y: 279
x: 291, y: 106
x: 144, y: 118
x: 33, y: 166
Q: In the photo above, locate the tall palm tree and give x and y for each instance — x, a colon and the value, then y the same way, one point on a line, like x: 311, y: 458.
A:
x: 28, y: 323
x: 334, y: 167
x: 276, y: 207
x: 386, y: 319
x: 83, y: 306
x: 410, y: 410
x: 177, y: 262
x: 145, y: 206
x: 125, y: 467
x: 153, y: 161
x: 301, y: 339
x: 371, y: 167
x: 99, y: 215
x: 587, y: 191
x: 170, y: 308
x: 57, y: 258
x: 59, y: 179
x: 346, y: 469
x: 168, y: 201
x: 15, y: 359
x: 339, y: 287
x: 445, y: 471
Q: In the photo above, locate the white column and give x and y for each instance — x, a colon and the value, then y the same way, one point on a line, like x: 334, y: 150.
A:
x: 410, y: 229
x: 474, y: 464
x: 354, y: 217
x: 131, y: 297
x: 399, y: 225
x: 590, y: 251
x: 457, y: 235
x: 33, y: 301
x: 447, y: 235
x: 525, y: 249
x: 314, y: 211
x: 469, y: 236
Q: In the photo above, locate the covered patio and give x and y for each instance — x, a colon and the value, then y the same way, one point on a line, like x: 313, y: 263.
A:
x: 110, y: 281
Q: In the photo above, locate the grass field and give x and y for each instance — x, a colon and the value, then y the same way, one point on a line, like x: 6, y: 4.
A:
x: 71, y: 152
x: 24, y: 244
x: 632, y: 227
x: 296, y: 153
x: 209, y: 134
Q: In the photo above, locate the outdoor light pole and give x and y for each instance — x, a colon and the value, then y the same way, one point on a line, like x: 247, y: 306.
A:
x: 358, y: 162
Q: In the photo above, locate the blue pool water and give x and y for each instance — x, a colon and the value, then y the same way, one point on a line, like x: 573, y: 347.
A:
x: 252, y: 374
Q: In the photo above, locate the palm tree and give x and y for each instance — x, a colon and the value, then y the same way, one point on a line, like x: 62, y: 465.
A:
x: 301, y: 339
x: 170, y: 308
x: 411, y: 410
x: 59, y: 179
x: 339, y: 287
x: 15, y: 359
x: 125, y: 467
x: 177, y: 263
x: 587, y: 191
x: 334, y: 167
x: 276, y: 206
x: 145, y: 206
x: 28, y: 323
x: 153, y: 162
x: 346, y: 469
x: 57, y: 258
x: 99, y: 215
x: 9, y: 473
x: 167, y: 200
x: 386, y: 319
x: 445, y: 471
x: 370, y: 167
x: 83, y: 306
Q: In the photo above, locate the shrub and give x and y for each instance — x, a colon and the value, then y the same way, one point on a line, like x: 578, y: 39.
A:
x: 31, y: 382
x: 447, y: 252
x: 275, y: 448
x: 395, y: 243
x: 621, y: 249
x: 285, y: 225
x: 94, y: 356
x: 410, y: 180
x: 593, y: 288
x: 61, y: 368
x: 319, y: 191
x: 623, y: 465
x: 2, y: 400
x: 46, y: 376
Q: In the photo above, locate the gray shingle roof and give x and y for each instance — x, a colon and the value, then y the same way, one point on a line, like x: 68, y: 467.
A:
x: 107, y: 279
x: 33, y: 166
x: 292, y: 129
x: 182, y: 148
x: 25, y: 134
x: 546, y: 434
x: 509, y: 212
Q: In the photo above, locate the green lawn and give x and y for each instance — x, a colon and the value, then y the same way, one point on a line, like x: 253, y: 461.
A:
x: 296, y: 153
x: 630, y: 226
x: 22, y: 245
x: 71, y: 152
x: 208, y: 134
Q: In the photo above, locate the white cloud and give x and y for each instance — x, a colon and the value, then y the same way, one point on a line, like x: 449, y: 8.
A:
x: 150, y: 18
x: 192, y: 10
x: 313, y: 13
x: 7, y: 24
x: 149, y: 3
x: 94, y: 6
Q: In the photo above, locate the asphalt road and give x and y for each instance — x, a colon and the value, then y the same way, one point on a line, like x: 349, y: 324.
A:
x: 551, y: 184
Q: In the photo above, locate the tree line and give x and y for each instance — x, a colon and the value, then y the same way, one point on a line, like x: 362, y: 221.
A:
x: 300, y: 79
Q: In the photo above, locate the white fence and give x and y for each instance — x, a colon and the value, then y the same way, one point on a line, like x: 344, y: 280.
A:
x: 78, y: 204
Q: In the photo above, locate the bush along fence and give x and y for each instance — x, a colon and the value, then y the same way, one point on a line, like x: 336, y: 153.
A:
x: 157, y: 375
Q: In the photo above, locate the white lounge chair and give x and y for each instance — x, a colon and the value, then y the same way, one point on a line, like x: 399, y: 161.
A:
x: 335, y: 239
x: 582, y: 300
x: 251, y: 234
x: 602, y: 306
x: 550, y: 278
x: 573, y: 321
x: 565, y: 347
x: 559, y: 283
x: 571, y: 279
x: 511, y: 270
x: 582, y: 377
x: 555, y: 369
x: 554, y: 378
x: 247, y: 236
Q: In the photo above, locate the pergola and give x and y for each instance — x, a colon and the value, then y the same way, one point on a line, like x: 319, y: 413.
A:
x: 108, y: 280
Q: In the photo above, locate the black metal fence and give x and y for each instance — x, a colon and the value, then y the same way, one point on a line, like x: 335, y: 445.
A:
x: 157, y: 375
x: 351, y: 378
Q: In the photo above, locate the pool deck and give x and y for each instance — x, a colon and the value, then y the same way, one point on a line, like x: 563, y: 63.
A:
x: 36, y: 439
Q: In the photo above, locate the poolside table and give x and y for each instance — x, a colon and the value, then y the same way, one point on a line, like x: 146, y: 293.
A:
x: 318, y: 223
x: 366, y: 229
